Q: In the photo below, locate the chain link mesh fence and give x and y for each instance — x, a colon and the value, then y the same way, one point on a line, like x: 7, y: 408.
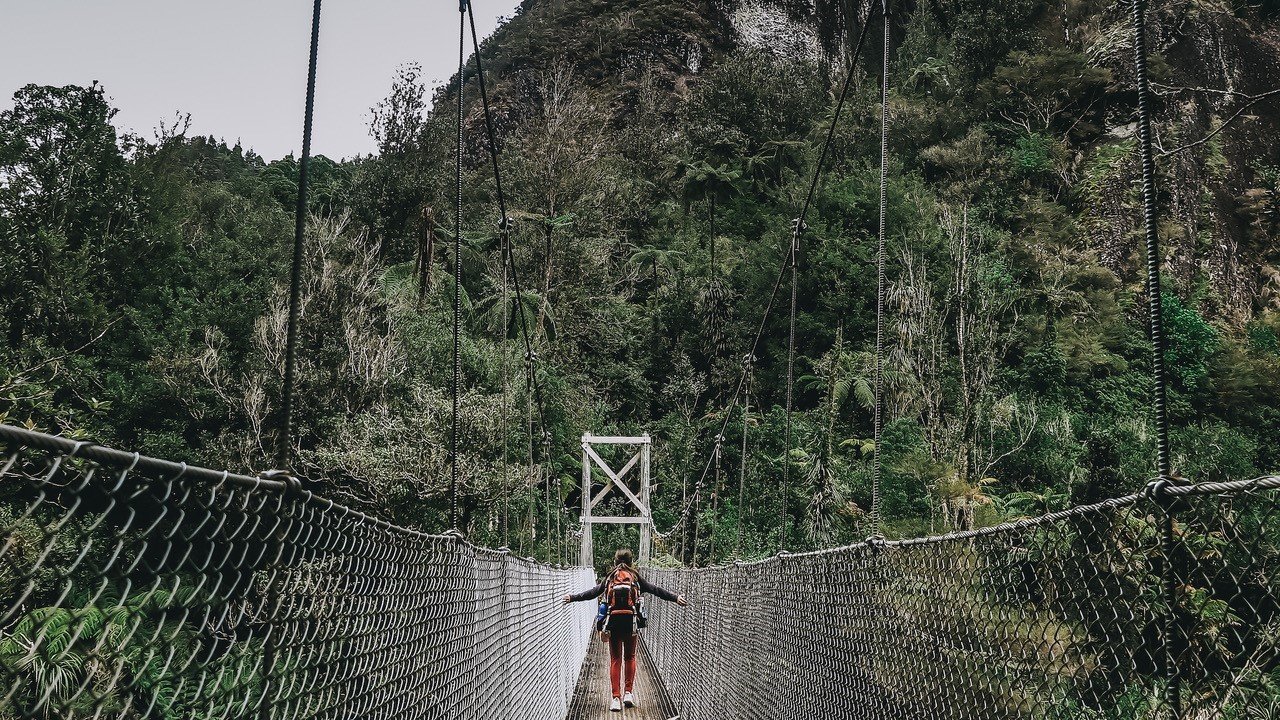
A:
x: 1160, y: 605
x: 137, y: 588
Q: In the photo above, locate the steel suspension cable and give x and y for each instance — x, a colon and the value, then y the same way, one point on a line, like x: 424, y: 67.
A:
x: 784, y: 511
x: 1155, y: 321
x: 831, y: 130
x: 797, y: 230
x: 532, y: 531
x: 504, y: 226
x: 782, y: 271
x: 284, y: 451
x: 506, y: 401
x: 1159, y: 376
x: 742, y: 458
x: 718, y: 486
x: 880, y: 278
x: 457, y: 271
x: 560, y: 531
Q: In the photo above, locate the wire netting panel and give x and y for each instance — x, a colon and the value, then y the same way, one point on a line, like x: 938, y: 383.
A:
x: 1074, y: 615
x: 134, y: 588
x: 1225, y: 575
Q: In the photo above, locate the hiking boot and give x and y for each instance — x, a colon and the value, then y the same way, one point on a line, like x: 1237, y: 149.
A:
x: 629, y: 700
x: 615, y: 705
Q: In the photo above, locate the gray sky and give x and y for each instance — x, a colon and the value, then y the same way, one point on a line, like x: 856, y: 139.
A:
x: 237, y: 66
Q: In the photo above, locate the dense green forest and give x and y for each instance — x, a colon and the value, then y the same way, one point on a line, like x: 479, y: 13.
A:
x: 654, y: 153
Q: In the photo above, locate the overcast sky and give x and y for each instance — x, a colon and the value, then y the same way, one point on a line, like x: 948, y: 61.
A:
x: 237, y: 66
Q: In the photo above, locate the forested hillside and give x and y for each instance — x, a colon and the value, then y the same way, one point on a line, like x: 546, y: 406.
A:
x: 654, y: 154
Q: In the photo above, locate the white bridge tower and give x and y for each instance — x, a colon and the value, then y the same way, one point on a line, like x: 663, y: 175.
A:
x: 638, y: 499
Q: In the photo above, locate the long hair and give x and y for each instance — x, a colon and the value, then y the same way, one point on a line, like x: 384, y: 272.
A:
x: 624, y: 558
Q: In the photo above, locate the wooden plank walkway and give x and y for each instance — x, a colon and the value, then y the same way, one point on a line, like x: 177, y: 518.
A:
x: 591, y: 697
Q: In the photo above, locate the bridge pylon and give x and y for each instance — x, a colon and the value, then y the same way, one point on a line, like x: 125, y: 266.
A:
x: 639, y: 500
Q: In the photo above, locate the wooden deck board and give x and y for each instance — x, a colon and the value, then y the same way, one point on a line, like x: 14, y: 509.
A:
x: 591, y: 697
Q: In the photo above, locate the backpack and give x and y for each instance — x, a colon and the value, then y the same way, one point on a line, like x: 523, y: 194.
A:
x: 602, y: 615
x: 622, y: 592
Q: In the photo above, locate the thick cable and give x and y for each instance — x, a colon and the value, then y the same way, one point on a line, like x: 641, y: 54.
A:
x: 878, y: 421
x: 783, y: 508
x: 1150, y: 228
x: 782, y: 271
x: 488, y: 118
x: 742, y: 460
x: 1155, y: 326
x: 284, y: 451
x: 715, y: 496
x: 797, y: 229
x: 505, y: 224
x: 831, y: 130
x: 506, y: 401
x: 532, y: 382
x: 457, y: 271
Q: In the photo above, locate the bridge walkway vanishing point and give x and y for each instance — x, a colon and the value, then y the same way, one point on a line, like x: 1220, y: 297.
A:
x: 591, y: 697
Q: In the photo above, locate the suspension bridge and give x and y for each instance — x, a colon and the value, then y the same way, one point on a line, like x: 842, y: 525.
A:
x: 136, y: 587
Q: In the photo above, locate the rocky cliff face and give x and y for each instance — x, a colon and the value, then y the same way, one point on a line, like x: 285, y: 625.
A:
x: 1217, y: 179
x: 1212, y: 63
x: 1217, y: 64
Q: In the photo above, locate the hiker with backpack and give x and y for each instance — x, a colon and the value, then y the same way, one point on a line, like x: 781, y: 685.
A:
x: 619, y: 592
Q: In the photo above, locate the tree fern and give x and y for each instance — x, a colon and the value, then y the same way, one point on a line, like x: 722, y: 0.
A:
x: 144, y: 655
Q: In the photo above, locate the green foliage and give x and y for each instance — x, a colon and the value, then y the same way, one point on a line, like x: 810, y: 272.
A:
x: 1104, y: 165
x: 1032, y: 155
x: 67, y: 207
x: 651, y: 180
x: 143, y: 286
x: 1192, y: 341
x: 983, y: 33
x: 54, y: 652
x: 749, y: 105
x: 1264, y: 337
x: 1057, y: 91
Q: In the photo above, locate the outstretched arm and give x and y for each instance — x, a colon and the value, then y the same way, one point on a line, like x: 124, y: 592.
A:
x: 664, y: 594
x: 585, y: 594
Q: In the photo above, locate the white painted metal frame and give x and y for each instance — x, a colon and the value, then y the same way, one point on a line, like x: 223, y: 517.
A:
x: 639, y: 500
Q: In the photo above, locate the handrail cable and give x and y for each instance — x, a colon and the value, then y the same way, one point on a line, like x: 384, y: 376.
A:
x: 506, y: 400
x: 1150, y: 227
x: 284, y: 448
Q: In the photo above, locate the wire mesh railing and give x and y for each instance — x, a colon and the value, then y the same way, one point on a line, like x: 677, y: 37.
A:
x: 137, y: 588
x: 1159, y: 605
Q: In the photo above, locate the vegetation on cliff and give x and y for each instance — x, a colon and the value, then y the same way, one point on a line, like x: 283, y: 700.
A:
x: 655, y: 152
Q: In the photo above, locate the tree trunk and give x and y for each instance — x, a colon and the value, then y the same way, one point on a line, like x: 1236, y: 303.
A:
x: 546, y: 278
x: 712, y: 235
x: 426, y: 254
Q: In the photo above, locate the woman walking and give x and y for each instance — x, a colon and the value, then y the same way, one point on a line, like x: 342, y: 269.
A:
x: 620, y: 592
